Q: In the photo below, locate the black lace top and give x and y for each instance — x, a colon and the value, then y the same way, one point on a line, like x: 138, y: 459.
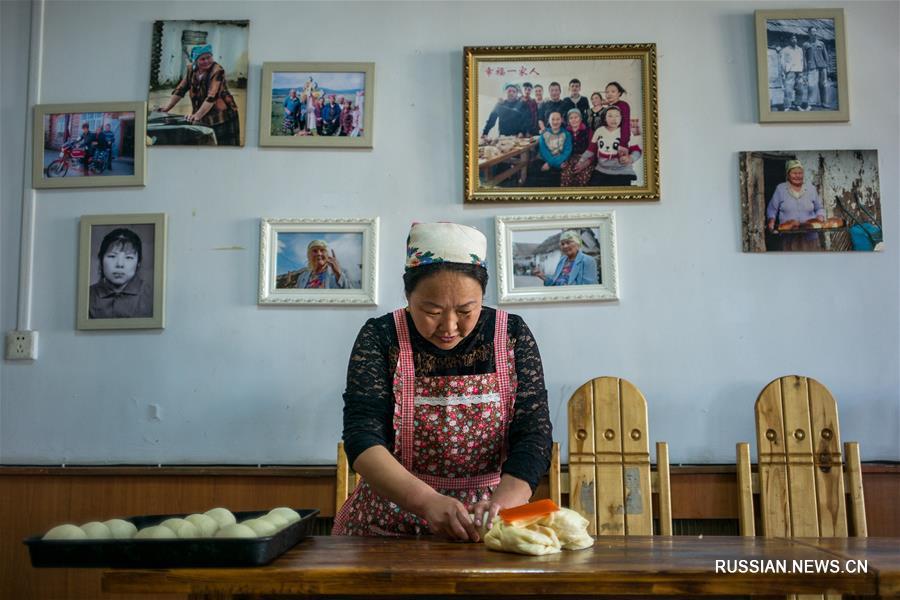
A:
x: 369, y: 401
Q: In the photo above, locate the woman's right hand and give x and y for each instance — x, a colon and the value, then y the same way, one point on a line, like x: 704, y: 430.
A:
x: 448, y: 517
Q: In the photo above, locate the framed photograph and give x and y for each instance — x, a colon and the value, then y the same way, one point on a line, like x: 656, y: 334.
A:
x: 801, y: 61
x: 810, y: 200
x: 317, y: 104
x: 318, y: 261
x: 122, y: 272
x: 560, y: 123
x: 89, y: 145
x: 557, y: 258
x: 198, y: 83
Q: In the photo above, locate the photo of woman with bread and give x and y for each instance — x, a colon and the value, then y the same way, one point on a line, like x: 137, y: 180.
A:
x: 793, y: 204
x: 432, y: 424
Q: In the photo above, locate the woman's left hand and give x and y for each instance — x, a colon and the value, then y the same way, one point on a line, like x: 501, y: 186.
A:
x: 192, y: 118
x: 511, y: 492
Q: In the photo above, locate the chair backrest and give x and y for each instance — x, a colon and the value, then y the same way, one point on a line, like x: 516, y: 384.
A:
x: 801, y: 470
x: 345, y: 480
x: 609, y: 461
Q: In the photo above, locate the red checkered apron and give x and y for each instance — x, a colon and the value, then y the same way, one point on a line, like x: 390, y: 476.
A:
x: 450, y: 432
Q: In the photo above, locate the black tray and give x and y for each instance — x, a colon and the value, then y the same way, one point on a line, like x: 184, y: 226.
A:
x: 150, y: 553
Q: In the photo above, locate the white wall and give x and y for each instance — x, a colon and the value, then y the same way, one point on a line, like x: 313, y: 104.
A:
x: 701, y: 327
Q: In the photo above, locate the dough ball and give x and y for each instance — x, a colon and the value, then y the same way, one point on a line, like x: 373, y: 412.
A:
x: 236, y: 530
x: 157, y: 532
x: 96, y: 530
x: 262, y: 527
x: 65, y: 532
x: 290, y: 514
x: 182, y: 528
x: 121, y: 529
x: 205, y: 524
x: 275, y: 519
x: 222, y: 516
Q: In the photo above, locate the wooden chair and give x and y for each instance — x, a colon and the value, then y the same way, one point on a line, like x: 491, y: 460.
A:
x: 345, y: 479
x: 609, y: 479
x: 801, y: 480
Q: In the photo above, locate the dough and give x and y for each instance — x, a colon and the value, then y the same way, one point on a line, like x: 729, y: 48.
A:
x: 121, y: 529
x: 533, y: 539
x: 262, y: 527
x: 236, y: 530
x: 547, y: 534
x: 156, y: 532
x: 182, y: 528
x: 96, y: 530
x: 290, y: 514
x: 222, y: 516
x: 65, y: 532
x: 205, y: 524
x: 275, y: 519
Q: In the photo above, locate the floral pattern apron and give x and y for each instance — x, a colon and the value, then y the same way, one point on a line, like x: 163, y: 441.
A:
x: 449, y: 431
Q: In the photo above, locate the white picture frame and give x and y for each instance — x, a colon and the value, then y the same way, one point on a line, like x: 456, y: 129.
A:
x: 528, y: 244
x: 353, y: 242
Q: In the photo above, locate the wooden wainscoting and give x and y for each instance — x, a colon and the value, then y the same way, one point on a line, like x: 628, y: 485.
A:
x: 33, y: 499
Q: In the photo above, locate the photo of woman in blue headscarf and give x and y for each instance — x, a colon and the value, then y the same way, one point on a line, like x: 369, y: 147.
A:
x: 574, y: 266
x: 213, y: 105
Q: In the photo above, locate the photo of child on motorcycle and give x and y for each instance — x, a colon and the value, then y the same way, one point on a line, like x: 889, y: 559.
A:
x: 213, y: 105
x: 87, y: 142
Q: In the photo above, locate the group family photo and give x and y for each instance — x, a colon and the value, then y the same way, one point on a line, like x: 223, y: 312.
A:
x: 570, y: 126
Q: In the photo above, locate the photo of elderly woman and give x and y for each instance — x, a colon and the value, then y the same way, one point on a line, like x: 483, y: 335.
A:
x: 122, y: 272
x: 556, y: 258
x: 810, y: 201
x: 207, y: 62
x: 317, y: 260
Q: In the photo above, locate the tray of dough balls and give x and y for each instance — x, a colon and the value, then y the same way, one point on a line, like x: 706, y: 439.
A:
x: 216, y: 538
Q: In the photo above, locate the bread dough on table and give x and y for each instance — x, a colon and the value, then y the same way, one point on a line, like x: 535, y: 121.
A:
x: 121, y: 529
x: 547, y: 534
x: 65, y: 532
x: 205, y: 524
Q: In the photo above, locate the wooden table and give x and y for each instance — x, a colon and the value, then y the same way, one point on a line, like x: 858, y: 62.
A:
x: 659, y: 566
x: 518, y: 158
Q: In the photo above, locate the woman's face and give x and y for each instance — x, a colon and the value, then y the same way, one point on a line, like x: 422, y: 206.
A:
x: 555, y: 120
x: 318, y: 258
x: 569, y: 248
x: 445, y: 308
x: 613, y: 119
x: 795, y: 176
x: 120, y: 263
x: 596, y: 100
x: 612, y: 93
x: 575, y: 120
x: 204, y: 61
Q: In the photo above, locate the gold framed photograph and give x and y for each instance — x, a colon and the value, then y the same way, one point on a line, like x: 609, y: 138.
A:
x: 122, y: 271
x: 560, y: 123
x: 89, y: 145
x: 306, y: 104
x: 801, y: 60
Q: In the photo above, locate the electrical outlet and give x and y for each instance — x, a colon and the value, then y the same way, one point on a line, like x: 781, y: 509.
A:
x: 21, y: 345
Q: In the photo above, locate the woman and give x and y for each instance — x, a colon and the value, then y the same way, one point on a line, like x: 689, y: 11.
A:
x: 291, y: 121
x: 574, y: 266
x: 445, y: 411
x: 795, y: 203
x: 614, y: 92
x: 555, y: 143
x: 322, y: 271
x: 120, y: 293
x: 595, y: 112
x: 212, y: 103
x: 581, y: 139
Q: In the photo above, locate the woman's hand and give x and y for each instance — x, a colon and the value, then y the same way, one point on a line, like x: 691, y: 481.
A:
x: 581, y: 166
x: 511, y: 492
x: 546, y: 167
x: 537, y: 272
x: 334, y: 264
x: 448, y: 517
